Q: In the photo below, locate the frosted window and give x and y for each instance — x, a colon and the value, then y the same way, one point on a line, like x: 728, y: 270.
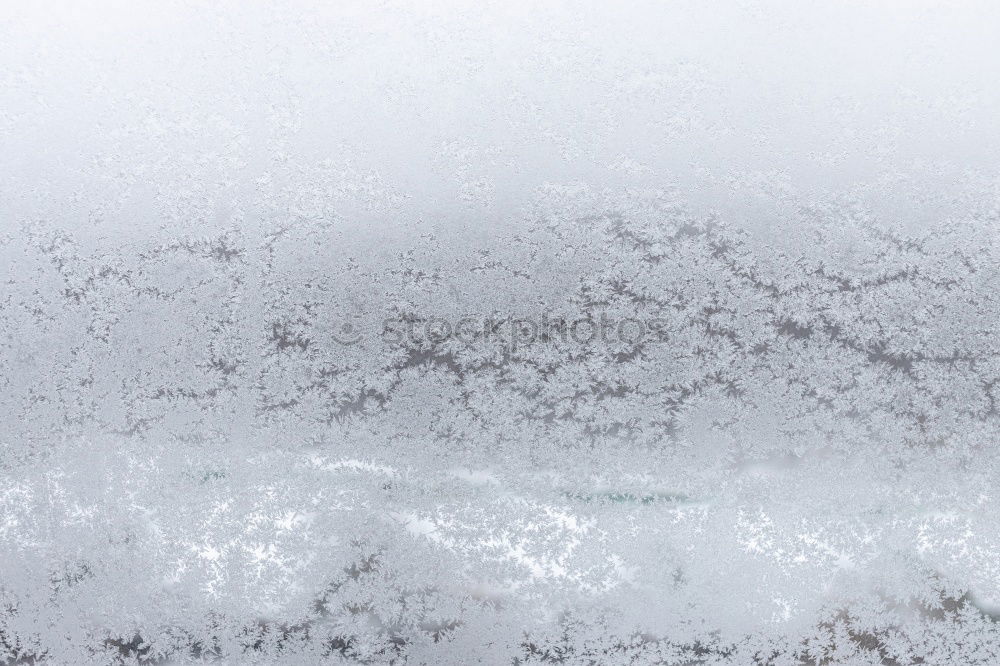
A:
x: 499, y: 333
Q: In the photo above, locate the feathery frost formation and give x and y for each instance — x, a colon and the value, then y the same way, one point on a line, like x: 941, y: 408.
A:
x: 509, y: 335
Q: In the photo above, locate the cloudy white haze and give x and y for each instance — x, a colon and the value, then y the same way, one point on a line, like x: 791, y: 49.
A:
x: 499, y: 333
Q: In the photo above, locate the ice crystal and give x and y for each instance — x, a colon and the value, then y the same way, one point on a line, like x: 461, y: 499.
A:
x: 441, y: 333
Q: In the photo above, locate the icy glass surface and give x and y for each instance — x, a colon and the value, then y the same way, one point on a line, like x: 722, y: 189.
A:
x: 499, y: 333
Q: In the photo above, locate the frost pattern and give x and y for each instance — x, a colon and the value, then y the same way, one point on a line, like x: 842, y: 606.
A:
x: 196, y: 466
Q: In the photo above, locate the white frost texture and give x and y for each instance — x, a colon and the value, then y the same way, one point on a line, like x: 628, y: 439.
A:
x: 503, y: 332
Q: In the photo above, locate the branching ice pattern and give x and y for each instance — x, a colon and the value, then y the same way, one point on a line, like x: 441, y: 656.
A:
x: 219, y: 445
